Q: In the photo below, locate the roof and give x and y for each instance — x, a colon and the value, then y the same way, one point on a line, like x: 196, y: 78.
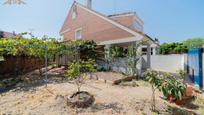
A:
x: 126, y: 14
x: 122, y: 14
x: 109, y: 19
x: 4, y: 34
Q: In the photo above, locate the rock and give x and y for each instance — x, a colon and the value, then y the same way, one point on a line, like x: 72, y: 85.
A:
x: 117, y: 82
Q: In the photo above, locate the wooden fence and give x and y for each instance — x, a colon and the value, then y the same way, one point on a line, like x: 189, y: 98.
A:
x: 16, y: 65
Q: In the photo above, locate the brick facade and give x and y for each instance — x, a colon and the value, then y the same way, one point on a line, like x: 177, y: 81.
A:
x: 93, y: 27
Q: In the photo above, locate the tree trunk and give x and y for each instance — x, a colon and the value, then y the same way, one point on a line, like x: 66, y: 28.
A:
x: 153, y: 99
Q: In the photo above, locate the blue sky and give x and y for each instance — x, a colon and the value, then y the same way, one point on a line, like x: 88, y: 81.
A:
x: 167, y: 20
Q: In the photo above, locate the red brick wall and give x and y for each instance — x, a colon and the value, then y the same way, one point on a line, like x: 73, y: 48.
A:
x: 128, y: 21
x: 93, y: 27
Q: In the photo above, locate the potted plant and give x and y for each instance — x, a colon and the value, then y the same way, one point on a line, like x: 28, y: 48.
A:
x: 189, y: 88
x: 173, y: 89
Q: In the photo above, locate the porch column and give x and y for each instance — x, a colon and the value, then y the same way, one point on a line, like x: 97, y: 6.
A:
x: 148, y: 56
x: 154, y: 51
x: 107, y: 56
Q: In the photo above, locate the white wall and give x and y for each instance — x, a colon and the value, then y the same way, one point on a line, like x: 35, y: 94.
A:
x: 163, y: 63
x: 167, y: 63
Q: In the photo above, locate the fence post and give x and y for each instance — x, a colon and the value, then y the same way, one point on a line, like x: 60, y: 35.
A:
x: 46, y: 65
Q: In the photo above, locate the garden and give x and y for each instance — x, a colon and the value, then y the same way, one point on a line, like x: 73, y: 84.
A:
x: 36, y: 84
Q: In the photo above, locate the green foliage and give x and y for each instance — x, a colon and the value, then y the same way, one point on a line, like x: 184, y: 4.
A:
x: 36, y: 48
x: 155, y: 81
x: 86, y: 48
x: 74, y: 70
x: 79, y: 67
x: 133, y: 57
x: 194, y: 43
x: 117, y: 52
x: 181, y: 74
x: 30, y: 47
x: 167, y: 83
x: 153, y: 78
x: 172, y: 86
x: 173, y: 48
x: 177, y: 48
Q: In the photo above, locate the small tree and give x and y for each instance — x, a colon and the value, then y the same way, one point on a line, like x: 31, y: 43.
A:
x: 155, y: 82
x: 78, y: 70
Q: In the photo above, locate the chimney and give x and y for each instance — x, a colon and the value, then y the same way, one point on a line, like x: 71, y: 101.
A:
x: 89, y: 4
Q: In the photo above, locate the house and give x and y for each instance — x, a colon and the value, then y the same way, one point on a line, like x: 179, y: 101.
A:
x: 4, y: 34
x: 123, y: 29
x: 83, y: 22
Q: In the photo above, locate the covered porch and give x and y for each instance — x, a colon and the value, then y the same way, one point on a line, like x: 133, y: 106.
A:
x: 120, y: 64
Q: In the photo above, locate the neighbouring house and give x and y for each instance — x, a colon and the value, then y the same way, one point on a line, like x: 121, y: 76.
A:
x: 84, y: 23
x: 4, y: 34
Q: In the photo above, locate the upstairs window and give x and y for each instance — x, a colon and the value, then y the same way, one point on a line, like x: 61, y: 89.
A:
x: 74, y: 15
x: 78, y: 34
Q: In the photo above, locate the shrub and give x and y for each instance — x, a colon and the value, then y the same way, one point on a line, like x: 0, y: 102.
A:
x: 155, y: 82
x: 77, y: 71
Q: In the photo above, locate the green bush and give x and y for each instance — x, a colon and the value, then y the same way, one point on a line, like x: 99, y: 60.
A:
x: 77, y: 71
x: 172, y: 87
x: 29, y: 47
x: 168, y: 84
x: 172, y: 48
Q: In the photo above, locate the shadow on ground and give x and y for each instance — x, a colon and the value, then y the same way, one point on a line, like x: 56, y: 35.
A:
x: 113, y: 107
x: 32, y: 81
x: 178, y: 111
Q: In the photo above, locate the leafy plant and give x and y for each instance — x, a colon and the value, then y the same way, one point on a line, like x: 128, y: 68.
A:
x: 107, y: 57
x: 182, y: 74
x: 194, y: 43
x: 167, y: 83
x: 173, y: 87
x: 173, y: 48
x: 155, y: 81
x: 78, y: 70
x: 117, y: 52
x: 133, y: 57
x: 30, y: 47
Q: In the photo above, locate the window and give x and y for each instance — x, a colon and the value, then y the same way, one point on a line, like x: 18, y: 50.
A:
x: 78, y: 34
x: 74, y: 15
x: 144, y: 51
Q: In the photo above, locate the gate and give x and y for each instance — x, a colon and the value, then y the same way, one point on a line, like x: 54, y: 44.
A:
x: 195, y: 66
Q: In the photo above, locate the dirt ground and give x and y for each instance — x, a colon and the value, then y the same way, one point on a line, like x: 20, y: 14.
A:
x: 109, y: 99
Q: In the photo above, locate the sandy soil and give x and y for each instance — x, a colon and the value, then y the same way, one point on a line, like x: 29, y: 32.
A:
x: 51, y: 100
x: 32, y: 97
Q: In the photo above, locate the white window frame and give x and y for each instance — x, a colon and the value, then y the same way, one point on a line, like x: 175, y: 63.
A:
x: 76, y: 37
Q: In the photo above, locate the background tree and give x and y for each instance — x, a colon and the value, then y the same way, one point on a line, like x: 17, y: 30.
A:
x: 173, y: 48
x: 194, y: 43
